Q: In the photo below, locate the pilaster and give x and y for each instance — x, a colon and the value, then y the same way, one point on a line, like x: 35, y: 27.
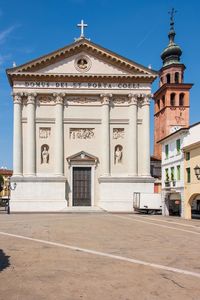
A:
x: 145, y: 163
x: 105, y: 100
x: 132, y: 135
x: 17, y: 135
x: 59, y: 135
x: 31, y: 138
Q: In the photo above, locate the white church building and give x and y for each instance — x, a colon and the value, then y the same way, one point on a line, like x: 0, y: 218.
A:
x: 81, y: 130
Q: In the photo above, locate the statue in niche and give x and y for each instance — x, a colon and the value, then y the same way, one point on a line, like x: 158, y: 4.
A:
x: 118, y: 154
x: 45, y: 154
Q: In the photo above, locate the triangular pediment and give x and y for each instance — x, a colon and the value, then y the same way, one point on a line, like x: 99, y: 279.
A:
x: 93, y: 65
x: 82, y: 58
x: 82, y: 157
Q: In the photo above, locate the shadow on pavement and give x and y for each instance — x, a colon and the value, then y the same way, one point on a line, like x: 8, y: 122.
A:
x: 4, y: 260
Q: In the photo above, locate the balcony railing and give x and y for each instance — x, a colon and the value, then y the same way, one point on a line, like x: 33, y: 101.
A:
x: 170, y: 184
x: 167, y: 184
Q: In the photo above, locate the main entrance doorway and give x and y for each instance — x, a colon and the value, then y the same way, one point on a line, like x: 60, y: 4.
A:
x: 81, y: 186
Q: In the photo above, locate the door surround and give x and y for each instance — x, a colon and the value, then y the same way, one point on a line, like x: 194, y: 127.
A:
x: 82, y: 159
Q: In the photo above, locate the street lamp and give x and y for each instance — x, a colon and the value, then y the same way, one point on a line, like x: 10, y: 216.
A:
x: 197, y: 172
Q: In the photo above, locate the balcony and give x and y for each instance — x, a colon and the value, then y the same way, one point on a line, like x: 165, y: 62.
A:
x: 167, y: 184
x: 171, y: 184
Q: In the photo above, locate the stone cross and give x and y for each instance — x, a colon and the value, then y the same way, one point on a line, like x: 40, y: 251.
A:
x: 82, y: 25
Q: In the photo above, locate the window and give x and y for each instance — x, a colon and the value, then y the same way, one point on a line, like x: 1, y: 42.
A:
x: 187, y: 155
x: 188, y: 175
x: 176, y: 77
x: 178, y: 172
x: 166, y: 151
x: 172, y: 174
x: 172, y: 99
x: 158, y: 103
x: 168, y: 79
x: 178, y: 146
x: 166, y: 175
x: 181, y: 99
x: 163, y: 100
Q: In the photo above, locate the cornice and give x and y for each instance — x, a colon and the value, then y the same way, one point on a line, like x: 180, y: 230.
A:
x: 172, y: 86
x: 34, y: 75
x: 172, y: 107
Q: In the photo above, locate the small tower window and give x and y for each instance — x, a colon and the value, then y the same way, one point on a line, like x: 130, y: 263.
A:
x: 176, y: 77
x: 172, y: 99
x: 181, y: 99
x: 158, y: 103
x: 163, y: 100
x: 168, y: 78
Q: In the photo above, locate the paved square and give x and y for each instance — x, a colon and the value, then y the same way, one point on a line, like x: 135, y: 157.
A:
x: 98, y: 256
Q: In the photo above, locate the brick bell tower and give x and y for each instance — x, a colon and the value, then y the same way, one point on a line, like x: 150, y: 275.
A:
x: 171, y: 100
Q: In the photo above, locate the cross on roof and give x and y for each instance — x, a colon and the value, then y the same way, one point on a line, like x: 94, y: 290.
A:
x: 172, y: 14
x: 82, y: 26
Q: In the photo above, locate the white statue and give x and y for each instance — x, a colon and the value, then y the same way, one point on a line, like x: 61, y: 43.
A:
x: 118, y: 155
x: 45, y: 156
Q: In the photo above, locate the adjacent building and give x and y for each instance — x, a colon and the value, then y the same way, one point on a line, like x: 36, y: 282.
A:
x: 173, y: 173
x: 191, y: 152
x: 180, y: 167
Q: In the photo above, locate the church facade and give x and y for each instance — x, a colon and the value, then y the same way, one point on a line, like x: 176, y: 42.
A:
x: 81, y: 130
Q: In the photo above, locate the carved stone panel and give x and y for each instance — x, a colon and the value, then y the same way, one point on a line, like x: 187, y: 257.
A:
x: 44, y: 132
x: 81, y: 133
x: 46, y: 99
x: 82, y: 100
x: 118, y: 133
x: 120, y: 100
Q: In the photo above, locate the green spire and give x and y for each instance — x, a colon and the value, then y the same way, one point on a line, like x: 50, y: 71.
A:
x: 171, y: 54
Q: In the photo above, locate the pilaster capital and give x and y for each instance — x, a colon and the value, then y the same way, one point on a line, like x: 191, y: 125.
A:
x: 31, y: 98
x: 147, y: 99
x: 59, y: 98
x: 105, y: 98
x: 17, y: 98
x: 133, y: 99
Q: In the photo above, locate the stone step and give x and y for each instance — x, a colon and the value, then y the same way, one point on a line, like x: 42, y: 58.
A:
x: 82, y: 209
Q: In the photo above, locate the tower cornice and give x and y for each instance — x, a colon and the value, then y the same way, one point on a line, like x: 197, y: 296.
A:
x: 172, y: 86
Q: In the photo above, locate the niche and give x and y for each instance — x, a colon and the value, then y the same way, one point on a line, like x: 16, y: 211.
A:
x: 44, y: 154
x: 118, y: 154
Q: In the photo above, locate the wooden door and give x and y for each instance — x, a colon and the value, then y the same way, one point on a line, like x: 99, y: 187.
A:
x: 81, y: 186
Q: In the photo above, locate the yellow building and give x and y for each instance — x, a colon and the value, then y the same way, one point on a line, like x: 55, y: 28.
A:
x: 192, y: 179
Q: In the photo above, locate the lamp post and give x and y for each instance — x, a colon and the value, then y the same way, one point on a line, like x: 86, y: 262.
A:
x: 197, y: 172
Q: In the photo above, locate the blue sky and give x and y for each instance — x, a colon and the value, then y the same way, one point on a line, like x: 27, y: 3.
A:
x: 135, y: 29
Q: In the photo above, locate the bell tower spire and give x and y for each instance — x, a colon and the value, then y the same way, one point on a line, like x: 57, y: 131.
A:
x: 171, y: 100
x: 172, y: 53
